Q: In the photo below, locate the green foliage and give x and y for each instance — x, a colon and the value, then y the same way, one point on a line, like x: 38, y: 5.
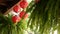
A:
x: 8, y: 27
x: 45, y: 15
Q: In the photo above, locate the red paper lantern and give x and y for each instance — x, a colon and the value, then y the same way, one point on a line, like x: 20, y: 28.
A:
x: 16, y: 19
x: 16, y: 8
x: 23, y: 14
x: 23, y: 4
